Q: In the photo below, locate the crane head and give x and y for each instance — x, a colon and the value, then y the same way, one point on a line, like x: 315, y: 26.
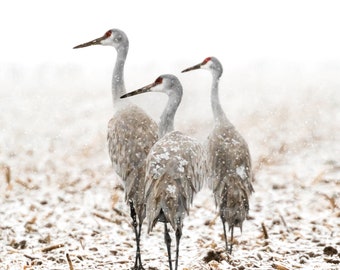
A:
x: 209, y: 63
x: 167, y: 83
x: 113, y: 37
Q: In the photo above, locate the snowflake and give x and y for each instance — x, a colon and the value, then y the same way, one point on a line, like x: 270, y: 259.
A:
x: 171, y: 189
x: 241, y: 171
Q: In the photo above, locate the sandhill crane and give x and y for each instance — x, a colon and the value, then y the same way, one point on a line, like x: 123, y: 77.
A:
x: 228, y: 160
x: 131, y: 134
x: 175, y: 168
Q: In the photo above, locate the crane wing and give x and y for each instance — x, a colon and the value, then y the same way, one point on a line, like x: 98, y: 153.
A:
x: 131, y: 134
x: 230, y: 175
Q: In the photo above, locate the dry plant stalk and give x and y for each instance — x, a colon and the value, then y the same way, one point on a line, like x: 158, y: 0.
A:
x: 279, y: 267
x: 114, y: 199
x: 118, y: 212
x: 213, y: 221
x: 319, y: 178
x: 103, y: 217
x: 22, y: 183
x: 284, y: 223
x: 49, y: 248
x: 331, y: 201
x: 29, y: 257
x: 69, y: 261
x: 264, y: 229
x: 7, y: 173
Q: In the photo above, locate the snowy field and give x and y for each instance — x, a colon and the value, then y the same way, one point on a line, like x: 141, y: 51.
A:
x: 59, y: 195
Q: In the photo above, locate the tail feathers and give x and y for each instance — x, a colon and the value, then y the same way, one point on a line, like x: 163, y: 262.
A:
x: 168, y: 201
x: 134, y: 190
x: 233, y: 202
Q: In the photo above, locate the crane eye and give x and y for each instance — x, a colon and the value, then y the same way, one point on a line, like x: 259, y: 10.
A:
x: 206, y: 60
x: 159, y: 80
x: 108, y: 34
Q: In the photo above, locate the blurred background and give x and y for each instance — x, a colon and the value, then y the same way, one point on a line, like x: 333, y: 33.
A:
x: 161, y: 34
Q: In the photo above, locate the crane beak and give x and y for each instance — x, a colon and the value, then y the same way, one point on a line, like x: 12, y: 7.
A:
x: 96, y: 41
x: 142, y: 90
x: 198, y: 66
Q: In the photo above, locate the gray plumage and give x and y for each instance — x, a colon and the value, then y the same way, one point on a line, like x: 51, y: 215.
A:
x: 174, y: 175
x: 228, y: 160
x: 131, y: 134
x: 175, y: 167
x: 130, y: 139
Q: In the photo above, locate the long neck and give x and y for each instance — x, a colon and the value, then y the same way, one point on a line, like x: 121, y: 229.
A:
x: 167, y: 118
x: 219, y: 115
x: 118, y: 86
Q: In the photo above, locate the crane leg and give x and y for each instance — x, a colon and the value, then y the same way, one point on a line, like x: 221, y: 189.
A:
x: 167, y: 240
x: 178, y: 238
x: 231, y: 239
x: 138, y: 247
x: 225, y: 235
x: 138, y: 261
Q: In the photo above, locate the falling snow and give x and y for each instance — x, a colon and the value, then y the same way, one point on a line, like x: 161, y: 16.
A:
x: 164, y: 156
x: 241, y: 171
x: 182, y: 163
x: 171, y: 189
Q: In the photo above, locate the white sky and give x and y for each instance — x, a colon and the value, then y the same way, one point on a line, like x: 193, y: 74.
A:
x: 39, y: 31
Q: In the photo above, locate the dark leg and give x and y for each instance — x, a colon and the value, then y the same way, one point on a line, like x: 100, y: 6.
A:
x: 138, y: 259
x: 225, y: 235
x: 138, y: 247
x: 231, y: 239
x: 178, y: 238
x: 167, y: 240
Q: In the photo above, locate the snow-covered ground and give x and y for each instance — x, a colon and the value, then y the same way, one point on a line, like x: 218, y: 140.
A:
x: 59, y: 194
